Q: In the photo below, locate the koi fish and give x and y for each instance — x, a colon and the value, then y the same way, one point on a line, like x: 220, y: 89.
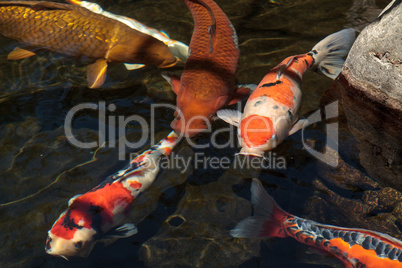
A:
x: 95, y: 214
x: 271, y: 112
x: 354, y: 247
x: 178, y: 49
x: 75, y: 31
x: 208, y: 80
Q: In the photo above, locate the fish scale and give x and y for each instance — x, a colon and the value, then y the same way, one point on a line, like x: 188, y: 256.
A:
x: 77, y: 32
x: 210, y: 73
x: 354, y: 247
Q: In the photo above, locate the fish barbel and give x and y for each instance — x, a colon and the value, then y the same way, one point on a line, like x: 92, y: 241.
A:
x: 75, y: 31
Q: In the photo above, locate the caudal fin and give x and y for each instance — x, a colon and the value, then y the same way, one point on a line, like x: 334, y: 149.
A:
x: 268, y: 217
x: 330, y: 53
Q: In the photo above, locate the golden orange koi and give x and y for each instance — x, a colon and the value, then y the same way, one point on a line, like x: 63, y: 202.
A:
x: 75, y: 31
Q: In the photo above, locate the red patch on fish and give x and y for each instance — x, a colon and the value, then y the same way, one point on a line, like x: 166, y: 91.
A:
x: 256, y: 130
x: 278, y: 90
x: 100, y: 201
x: 135, y: 184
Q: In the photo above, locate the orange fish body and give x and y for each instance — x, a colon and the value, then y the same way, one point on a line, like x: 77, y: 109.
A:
x: 354, y: 247
x: 95, y: 214
x: 75, y: 31
x: 208, y: 80
x: 271, y: 112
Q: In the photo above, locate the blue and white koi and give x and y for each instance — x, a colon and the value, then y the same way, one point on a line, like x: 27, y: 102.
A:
x: 96, y: 214
x: 354, y: 247
x: 178, y: 49
x: 271, y: 112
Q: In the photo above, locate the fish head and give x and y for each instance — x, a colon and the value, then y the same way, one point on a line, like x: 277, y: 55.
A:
x: 257, y: 134
x: 191, y: 120
x: 71, y: 234
x: 143, y: 49
x: 193, y: 116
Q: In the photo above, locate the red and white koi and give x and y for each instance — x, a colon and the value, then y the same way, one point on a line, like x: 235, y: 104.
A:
x: 95, y: 214
x: 178, y: 49
x: 354, y: 247
x: 271, y: 112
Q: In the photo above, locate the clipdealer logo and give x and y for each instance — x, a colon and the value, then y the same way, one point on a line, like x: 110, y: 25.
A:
x: 107, y: 125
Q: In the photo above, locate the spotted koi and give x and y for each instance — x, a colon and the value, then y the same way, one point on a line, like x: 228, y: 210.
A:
x: 271, y: 112
x: 95, y: 214
x: 354, y: 247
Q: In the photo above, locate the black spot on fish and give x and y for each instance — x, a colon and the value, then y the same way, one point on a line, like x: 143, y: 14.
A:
x: 341, y: 234
x: 353, y: 235
x: 275, y: 107
x: 295, y: 59
x: 346, y: 237
x: 387, y: 249
x: 326, y: 234
x: 326, y: 243
x: 400, y: 258
x: 319, y: 240
x: 374, y: 242
x: 366, y: 243
x: 335, y: 234
x: 69, y: 223
x: 392, y: 254
x: 306, y: 62
x: 314, y: 228
x: 272, y: 84
x: 380, y: 248
x: 257, y: 103
x: 314, y: 51
x: 299, y: 222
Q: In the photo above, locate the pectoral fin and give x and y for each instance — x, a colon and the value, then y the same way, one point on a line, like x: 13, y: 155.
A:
x: 133, y: 66
x: 73, y: 198
x: 96, y: 73
x: 173, y: 80
x: 242, y: 92
x: 125, y: 230
x: 232, y: 117
x: 297, y: 126
x: 20, y: 53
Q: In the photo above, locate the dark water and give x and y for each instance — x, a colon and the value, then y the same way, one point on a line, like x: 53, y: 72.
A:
x: 185, y: 218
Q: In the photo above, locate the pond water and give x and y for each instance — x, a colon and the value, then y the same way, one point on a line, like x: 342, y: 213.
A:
x: 185, y: 217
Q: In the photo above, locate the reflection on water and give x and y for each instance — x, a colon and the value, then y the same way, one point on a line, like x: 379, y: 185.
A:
x: 185, y: 218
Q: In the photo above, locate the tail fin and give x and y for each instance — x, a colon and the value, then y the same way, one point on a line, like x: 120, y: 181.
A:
x: 268, y: 216
x: 330, y: 53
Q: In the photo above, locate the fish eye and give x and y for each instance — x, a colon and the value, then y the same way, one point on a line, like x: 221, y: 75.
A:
x: 78, y: 245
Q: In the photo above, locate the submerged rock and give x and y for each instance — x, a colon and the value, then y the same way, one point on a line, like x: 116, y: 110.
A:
x: 374, y: 64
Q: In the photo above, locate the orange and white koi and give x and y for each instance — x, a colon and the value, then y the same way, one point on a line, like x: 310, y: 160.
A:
x: 208, y: 80
x: 271, y: 112
x: 96, y: 214
x: 354, y: 247
x: 178, y: 49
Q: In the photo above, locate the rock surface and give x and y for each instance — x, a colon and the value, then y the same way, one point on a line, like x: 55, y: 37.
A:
x: 374, y: 64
